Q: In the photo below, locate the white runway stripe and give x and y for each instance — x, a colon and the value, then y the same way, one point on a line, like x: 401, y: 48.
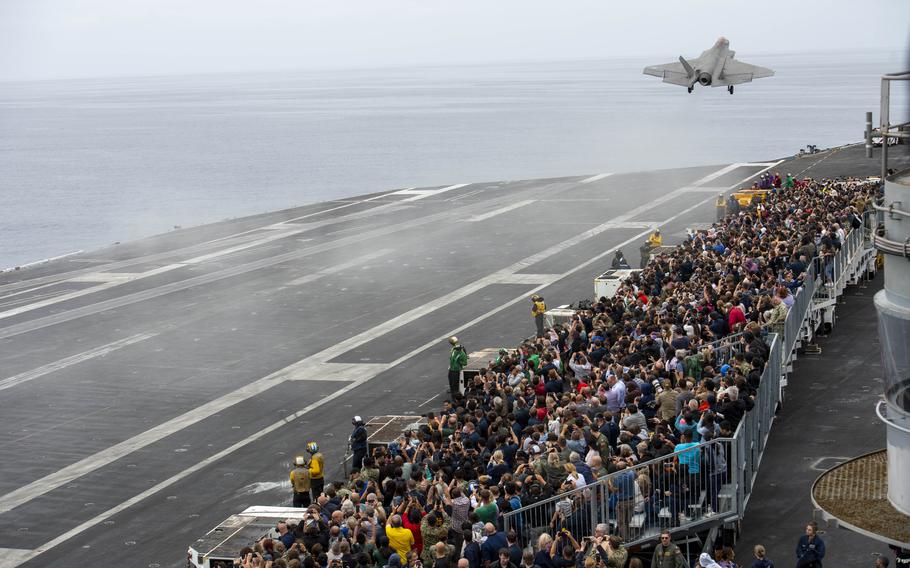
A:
x: 714, y: 175
x: 595, y: 178
x: 339, y: 267
x: 101, y: 351
x: 501, y: 210
x: 418, y: 194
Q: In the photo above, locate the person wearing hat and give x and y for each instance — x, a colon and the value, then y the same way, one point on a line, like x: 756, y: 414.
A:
x: 300, y: 482
x: 655, y: 239
x: 317, y: 469
x: 358, y: 442
x: 458, y: 358
x: 394, y: 561
x: 538, y: 308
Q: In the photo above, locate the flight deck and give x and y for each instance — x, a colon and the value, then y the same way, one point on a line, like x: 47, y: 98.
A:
x: 150, y: 389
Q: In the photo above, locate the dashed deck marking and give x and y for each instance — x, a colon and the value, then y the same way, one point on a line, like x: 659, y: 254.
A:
x: 101, y: 351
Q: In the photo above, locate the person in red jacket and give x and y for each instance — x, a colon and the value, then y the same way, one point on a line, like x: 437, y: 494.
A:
x: 736, y: 318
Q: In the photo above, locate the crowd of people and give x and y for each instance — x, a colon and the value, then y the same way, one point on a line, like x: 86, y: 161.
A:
x: 631, y: 379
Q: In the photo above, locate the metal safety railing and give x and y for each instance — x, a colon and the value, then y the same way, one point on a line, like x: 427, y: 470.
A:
x: 838, y: 268
x: 725, y: 348
x: 796, y: 317
x: 675, y: 491
x: 667, y: 492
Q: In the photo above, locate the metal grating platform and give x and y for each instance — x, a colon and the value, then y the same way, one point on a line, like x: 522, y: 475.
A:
x: 855, y: 494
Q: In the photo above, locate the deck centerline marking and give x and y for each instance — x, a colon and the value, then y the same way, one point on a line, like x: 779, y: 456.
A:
x: 435, y: 192
x: 100, y: 351
x: 501, y: 210
x: 594, y: 178
x: 339, y: 267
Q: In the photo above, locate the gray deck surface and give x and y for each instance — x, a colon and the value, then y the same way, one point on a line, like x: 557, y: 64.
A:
x: 150, y: 389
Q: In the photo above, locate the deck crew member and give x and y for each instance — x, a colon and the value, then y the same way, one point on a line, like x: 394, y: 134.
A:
x: 358, y: 443
x: 317, y: 469
x: 619, y: 261
x: 300, y: 482
x: 458, y: 358
x: 655, y: 239
x: 538, y: 308
x: 645, y: 252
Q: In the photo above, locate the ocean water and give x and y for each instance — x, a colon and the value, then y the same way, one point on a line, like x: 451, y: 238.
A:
x: 85, y: 163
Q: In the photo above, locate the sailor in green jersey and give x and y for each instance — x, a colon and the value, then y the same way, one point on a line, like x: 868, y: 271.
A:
x: 458, y: 358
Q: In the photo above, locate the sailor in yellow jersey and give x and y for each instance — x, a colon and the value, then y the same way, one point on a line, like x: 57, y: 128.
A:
x: 538, y: 307
x: 300, y: 482
x: 317, y: 470
x: 655, y: 240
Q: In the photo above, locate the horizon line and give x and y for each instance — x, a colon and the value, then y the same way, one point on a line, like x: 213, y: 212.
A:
x: 417, y: 65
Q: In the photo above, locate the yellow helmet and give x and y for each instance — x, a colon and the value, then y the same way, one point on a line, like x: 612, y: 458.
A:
x: 312, y: 447
x: 453, y: 340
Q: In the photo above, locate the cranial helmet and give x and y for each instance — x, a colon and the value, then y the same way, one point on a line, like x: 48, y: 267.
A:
x: 312, y: 447
x: 453, y: 340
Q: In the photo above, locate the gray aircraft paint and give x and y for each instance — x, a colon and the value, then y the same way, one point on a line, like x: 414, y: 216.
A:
x: 715, y: 67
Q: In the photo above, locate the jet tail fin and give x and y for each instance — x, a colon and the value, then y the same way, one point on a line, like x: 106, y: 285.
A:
x: 689, y: 71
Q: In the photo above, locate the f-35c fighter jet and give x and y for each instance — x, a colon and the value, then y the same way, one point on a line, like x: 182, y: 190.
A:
x: 715, y: 67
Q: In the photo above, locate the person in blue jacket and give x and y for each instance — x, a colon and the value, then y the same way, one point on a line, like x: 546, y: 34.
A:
x: 358, y: 442
x: 810, y: 550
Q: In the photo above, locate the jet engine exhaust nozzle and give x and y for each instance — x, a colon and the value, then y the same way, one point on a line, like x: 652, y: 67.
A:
x: 704, y: 79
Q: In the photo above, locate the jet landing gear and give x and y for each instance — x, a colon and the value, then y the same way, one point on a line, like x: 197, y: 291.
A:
x: 690, y: 89
x: 730, y: 89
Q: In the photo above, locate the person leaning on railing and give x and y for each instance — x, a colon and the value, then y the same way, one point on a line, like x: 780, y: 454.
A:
x: 777, y: 315
x: 623, y: 486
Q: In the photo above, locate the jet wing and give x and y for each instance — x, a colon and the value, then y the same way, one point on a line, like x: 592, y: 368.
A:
x: 670, y: 72
x: 737, y: 72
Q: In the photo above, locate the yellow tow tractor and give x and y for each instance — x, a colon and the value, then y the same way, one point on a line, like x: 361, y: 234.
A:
x: 746, y: 197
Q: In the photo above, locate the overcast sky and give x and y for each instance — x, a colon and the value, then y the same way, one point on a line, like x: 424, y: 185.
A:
x: 90, y: 38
